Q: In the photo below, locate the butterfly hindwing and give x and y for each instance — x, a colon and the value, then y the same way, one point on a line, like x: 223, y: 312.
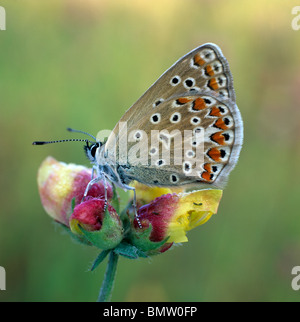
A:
x: 186, y: 139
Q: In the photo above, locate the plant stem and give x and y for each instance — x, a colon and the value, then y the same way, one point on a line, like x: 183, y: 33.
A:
x: 109, y: 278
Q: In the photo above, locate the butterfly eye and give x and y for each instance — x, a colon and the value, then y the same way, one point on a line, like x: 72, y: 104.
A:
x: 93, y: 149
x: 90, y: 151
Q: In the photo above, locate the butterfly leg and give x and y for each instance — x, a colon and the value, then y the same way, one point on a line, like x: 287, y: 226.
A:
x: 134, y: 203
x: 93, y: 181
x: 88, y: 187
x: 105, y: 192
x: 94, y: 169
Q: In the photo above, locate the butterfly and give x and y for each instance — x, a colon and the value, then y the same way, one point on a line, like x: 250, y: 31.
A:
x: 190, y: 108
x: 195, y: 93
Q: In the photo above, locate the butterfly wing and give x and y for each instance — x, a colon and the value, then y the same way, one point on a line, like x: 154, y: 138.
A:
x: 188, y: 140
x: 204, y: 72
x: 204, y: 69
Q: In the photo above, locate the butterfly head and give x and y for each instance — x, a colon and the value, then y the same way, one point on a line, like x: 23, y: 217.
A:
x: 91, y: 149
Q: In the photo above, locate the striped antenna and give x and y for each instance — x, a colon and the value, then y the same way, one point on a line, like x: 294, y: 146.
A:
x: 79, y: 131
x: 59, y: 141
x: 67, y: 140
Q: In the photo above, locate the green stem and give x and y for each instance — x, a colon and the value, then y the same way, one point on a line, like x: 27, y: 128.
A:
x: 109, y: 278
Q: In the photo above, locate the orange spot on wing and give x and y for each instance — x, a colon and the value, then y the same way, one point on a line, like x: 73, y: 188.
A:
x: 198, y: 60
x: 183, y: 100
x: 220, y: 124
x: 209, y: 71
x: 215, y: 111
x: 218, y: 138
x: 207, y: 167
x: 214, y: 154
x: 213, y: 84
x: 206, y: 176
x: 199, y: 104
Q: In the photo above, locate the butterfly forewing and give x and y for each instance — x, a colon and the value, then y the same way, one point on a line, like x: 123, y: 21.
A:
x: 203, y: 69
x: 196, y: 95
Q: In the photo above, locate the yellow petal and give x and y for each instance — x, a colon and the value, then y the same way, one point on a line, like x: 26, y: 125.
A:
x: 74, y: 226
x: 146, y: 194
x: 194, y: 209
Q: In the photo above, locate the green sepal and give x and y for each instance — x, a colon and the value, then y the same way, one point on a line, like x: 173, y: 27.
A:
x: 108, y: 237
x: 115, y: 201
x: 77, y: 238
x: 125, y: 218
x: 73, y: 203
x: 100, y: 258
x: 142, y: 240
x: 129, y: 251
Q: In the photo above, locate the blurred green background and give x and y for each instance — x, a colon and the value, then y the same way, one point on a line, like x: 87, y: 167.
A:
x: 82, y: 64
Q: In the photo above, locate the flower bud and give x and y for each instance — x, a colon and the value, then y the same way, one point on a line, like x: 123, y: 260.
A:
x: 168, y: 218
x: 98, y: 223
x: 59, y: 183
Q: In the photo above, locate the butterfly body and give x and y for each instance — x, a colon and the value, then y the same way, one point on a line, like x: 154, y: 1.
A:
x: 186, y: 130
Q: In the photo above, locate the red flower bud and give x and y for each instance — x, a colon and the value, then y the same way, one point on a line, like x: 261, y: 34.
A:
x: 158, y: 213
x: 90, y: 214
x: 99, y: 224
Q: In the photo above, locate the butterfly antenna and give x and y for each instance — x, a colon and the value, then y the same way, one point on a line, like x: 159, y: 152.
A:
x: 79, y: 131
x: 59, y: 141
